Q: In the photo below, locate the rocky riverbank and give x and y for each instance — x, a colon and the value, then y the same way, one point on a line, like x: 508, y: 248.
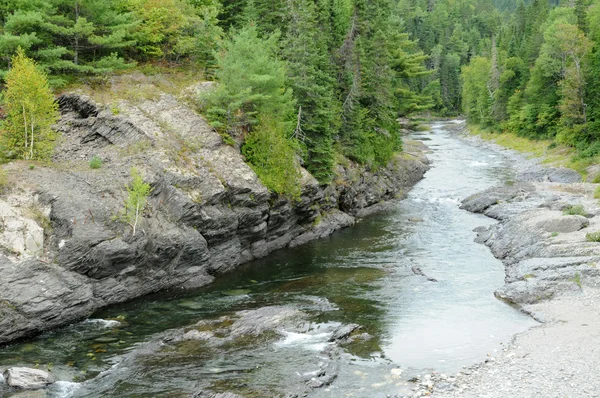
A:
x: 66, y: 251
x: 546, y: 221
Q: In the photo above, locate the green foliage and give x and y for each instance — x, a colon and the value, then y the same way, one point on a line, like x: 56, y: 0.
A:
x: 30, y: 111
x: 3, y: 180
x: 273, y: 159
x: 252, y: 83
x: 577, y: 277
x: 576, y: 210
x: 593, y: 236
x: 136, y: 200
x: 324, y: 77
x: 63, y: 36
x: 310, y: 75
x: 475, y: 93
x: 95, y: 162
x: 544, y: 79
x: 252, y: 105
x: 170, y: 29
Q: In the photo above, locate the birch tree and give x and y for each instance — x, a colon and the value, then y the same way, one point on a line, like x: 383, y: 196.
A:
x: 30, y: 111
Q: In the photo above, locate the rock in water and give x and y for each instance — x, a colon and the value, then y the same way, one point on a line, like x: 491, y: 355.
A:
x: 27, y: 378
x: 343, y: 332
x: 418, y: 271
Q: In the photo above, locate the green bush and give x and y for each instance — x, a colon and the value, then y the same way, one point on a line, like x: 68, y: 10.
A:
x: 95, y: 162
x: 576, y: 210
x: 593, y: 236
x: 272, y: 158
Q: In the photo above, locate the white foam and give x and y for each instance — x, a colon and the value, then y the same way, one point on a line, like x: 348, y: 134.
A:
x: 311, y: 342
x: 65, y: 389
x: 1, y: 378
x: 104, y: 323
x: 445, y: 200
x: 477, y: 164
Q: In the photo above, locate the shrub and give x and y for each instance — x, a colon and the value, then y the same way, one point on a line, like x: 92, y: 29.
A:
x: 272, y: 158
x: 576, y: 210
x: 593, y: 236
x: 95, y: 162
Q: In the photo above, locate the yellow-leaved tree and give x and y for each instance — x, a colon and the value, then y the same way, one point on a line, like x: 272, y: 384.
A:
x: 30, y: 111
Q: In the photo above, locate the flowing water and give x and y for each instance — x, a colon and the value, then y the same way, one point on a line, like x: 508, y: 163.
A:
x: 358, y: 275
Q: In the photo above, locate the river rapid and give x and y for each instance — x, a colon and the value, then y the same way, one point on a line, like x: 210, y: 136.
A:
x: 363, y: 274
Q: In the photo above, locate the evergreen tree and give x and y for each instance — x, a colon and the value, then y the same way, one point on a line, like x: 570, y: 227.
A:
x: 252, y: 106
x: 311, y: 78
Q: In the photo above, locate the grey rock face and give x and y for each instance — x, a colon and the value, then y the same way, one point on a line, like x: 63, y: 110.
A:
x: 481, y: 201
x: 564, y: 175
x: 545, y: 252
x: 538, y: 173
x: 207, y: 213
x: 27, y: 378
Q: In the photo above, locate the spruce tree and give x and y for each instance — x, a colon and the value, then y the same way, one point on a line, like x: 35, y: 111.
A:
x: 311, y: 78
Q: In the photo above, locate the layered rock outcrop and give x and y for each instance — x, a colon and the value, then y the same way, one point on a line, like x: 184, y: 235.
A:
x: 545, y: 249
x: 207, y: 213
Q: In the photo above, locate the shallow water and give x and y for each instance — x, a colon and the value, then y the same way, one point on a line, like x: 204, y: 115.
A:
x: 358, y: 275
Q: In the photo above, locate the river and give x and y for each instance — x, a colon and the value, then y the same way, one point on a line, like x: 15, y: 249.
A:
x: 361, y: 274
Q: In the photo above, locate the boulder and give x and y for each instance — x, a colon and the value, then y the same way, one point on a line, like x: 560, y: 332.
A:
x: 564, y: 175
x: 27, y: 378
x: 481, y: 201
x: 18, y: 234
x: 593, y: 173
x: 553, y: 221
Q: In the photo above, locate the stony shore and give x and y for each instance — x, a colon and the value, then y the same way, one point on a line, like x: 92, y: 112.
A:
x: 66, y: 252
x: 552, y: 273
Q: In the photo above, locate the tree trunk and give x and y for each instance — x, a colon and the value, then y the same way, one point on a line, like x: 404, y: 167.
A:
x: 25, y: 125
x: 31, y: 146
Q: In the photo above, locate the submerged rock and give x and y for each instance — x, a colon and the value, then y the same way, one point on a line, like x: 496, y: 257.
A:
x: 27, y: 378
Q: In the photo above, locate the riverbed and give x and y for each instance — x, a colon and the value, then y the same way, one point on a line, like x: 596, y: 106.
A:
x: 364, y: 274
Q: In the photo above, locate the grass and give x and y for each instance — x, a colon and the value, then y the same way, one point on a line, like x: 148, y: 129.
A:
x: 147, y: 81
x: 593, y: 236
x: 3, y: 180
x: 577, y: 210
x: 597, y: 193
x: 95, y: 162
x: 36, y: 214
x: 548, y: 151
x: 554, y: 234
x: 577, y: 279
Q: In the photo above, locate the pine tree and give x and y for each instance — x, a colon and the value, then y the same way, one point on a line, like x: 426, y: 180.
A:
x: 30, y: 111
x: 70, y: 36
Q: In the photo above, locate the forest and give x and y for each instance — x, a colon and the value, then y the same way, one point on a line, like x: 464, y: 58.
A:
x: 310, y: 81
x: 539, y: 76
